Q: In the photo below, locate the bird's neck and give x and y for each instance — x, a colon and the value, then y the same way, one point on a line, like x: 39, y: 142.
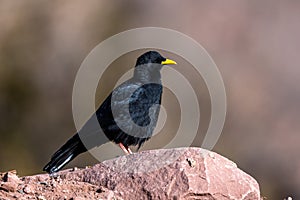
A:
x: 147, y: 76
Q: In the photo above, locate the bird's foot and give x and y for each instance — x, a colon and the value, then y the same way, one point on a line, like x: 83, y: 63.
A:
x: 129, y: 150
x: 125, y: 149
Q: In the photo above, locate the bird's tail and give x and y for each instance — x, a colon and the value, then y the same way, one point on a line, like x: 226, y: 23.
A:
x: 65, y: 154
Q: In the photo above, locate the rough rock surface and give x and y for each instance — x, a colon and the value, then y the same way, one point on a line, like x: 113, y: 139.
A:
x: 183, y: 173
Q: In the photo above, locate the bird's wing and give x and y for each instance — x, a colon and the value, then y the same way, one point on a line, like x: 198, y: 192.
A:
x: 108, y: 116
x: 131, y: 108
x: 135, y: 108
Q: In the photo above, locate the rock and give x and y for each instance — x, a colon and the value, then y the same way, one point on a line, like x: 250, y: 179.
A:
x: 9, y: 186
x: 78, y: 198
x: 11, y: 176
x: 28, y: 189
x: 183, y: 173
x: 41, y: 197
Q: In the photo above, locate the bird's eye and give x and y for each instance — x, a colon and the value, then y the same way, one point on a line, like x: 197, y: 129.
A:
x: 159, y: 60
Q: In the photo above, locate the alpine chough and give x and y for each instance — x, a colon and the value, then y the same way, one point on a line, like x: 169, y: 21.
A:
x: 127, y: 116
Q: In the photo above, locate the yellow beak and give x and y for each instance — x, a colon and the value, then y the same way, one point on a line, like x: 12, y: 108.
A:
x: 168, y: 62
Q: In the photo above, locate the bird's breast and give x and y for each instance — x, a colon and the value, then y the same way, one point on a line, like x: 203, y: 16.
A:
x: 145, y: 104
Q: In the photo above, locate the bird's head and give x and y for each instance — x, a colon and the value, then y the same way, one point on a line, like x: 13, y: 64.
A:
x: 153, y: 57
x: 148, y: 66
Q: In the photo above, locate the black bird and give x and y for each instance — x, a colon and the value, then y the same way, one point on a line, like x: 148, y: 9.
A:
x: 127, y: 116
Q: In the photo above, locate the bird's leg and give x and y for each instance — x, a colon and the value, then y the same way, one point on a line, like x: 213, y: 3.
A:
x: 124, y: 148
x: 129, y: 150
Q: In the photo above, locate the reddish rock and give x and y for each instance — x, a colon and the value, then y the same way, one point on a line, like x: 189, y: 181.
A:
x: 8, y: 186
x: 183, y: 173
x: 10, y: 176
x: 28, y: 189
x: 10, y: 181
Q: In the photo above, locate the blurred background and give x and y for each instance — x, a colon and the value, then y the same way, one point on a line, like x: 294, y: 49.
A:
x: 255, y: 44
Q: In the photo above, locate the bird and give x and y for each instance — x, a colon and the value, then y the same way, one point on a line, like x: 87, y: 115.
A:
x: 126, y: 117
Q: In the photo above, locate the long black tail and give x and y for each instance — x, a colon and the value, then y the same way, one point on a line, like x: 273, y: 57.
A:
x: 65, y: 154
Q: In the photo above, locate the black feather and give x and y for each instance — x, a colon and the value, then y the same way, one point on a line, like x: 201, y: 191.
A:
x: 142, y: 93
